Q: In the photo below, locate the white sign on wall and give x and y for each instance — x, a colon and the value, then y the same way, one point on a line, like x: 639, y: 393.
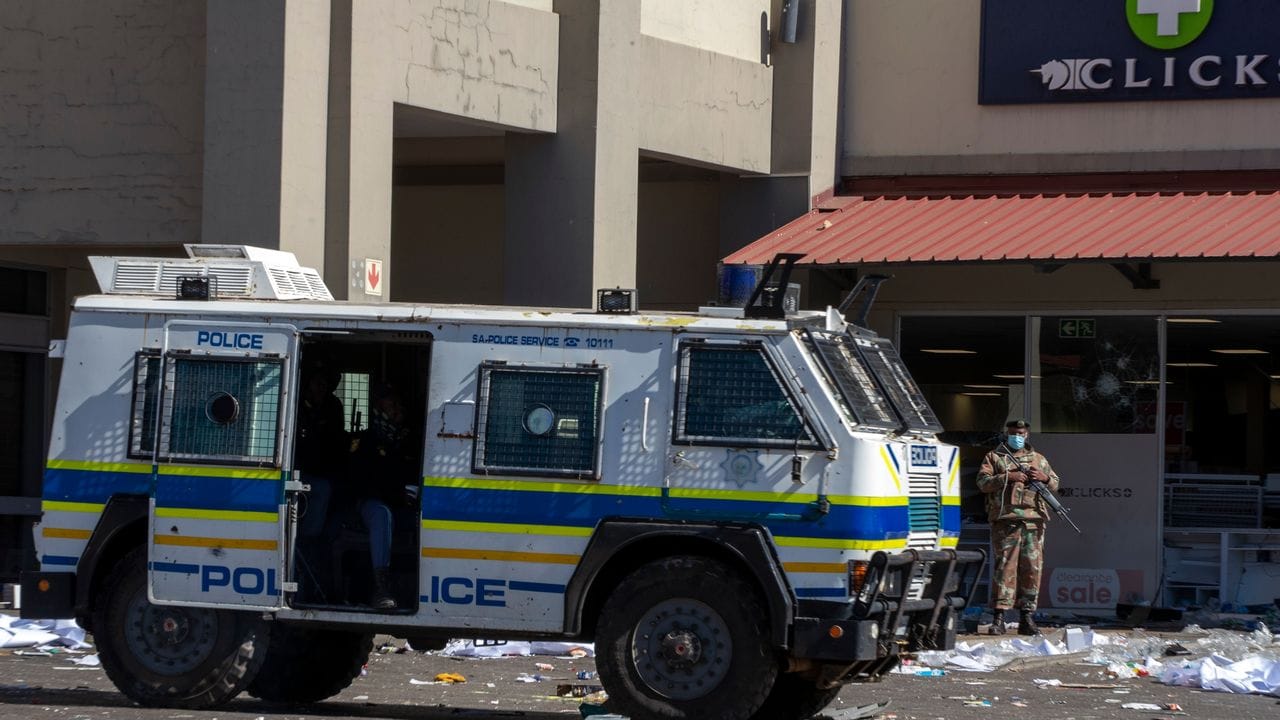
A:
x: 374, y: 277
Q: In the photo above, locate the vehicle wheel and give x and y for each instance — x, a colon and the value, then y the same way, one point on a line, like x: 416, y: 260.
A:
x: 172, y: 656
x: 795, y: 698
x: 685, y: 637
x: 306, y: 665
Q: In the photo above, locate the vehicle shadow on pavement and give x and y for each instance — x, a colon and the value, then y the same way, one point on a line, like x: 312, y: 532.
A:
x: 84, y: 697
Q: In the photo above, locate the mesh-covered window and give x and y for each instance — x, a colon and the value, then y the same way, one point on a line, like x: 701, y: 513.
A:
x: 898, y: 384
x: 539, y: 420
x: 223, y: 410
x: 353, y: 391
x: 856, y: 391
x: 731, y: 395
x: 146, y: 404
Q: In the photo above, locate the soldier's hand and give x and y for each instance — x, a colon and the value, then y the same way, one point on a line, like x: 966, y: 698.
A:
x: 1016, y: 476
x: 1036, y: 474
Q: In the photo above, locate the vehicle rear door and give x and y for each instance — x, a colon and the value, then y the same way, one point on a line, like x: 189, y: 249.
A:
x: 218, y: 508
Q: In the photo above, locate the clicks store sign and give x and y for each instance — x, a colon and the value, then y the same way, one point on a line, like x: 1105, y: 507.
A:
x: 1042, y: 51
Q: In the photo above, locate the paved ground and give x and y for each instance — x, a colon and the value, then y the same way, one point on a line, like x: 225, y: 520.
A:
x: 52, y: 687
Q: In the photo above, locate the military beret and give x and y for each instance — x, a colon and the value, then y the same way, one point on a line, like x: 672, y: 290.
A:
x: 1018, y: 424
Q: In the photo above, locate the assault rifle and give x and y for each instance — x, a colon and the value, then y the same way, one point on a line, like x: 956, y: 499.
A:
x: 1041, y: 489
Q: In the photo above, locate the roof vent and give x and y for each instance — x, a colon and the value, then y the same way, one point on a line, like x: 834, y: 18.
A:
x: 239, y: 271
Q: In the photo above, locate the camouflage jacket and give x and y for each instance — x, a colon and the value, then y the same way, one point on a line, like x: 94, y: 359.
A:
x: 1008, y: 500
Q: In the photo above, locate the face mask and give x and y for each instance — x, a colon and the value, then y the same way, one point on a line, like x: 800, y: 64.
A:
x: 1017, y: 442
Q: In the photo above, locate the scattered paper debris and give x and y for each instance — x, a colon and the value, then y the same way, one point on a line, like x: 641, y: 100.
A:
x: 470, y: 648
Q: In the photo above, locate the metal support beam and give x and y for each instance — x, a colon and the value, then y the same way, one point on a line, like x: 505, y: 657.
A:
x: 1139, y: 274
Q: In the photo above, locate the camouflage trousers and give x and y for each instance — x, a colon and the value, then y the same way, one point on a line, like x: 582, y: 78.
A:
x: 1017, y: 561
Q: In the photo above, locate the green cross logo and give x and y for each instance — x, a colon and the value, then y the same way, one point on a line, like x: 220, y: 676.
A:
x: 1168, y: 24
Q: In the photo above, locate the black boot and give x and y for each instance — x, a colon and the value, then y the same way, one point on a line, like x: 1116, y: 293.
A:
x: 382, y: 599
x: 1027, y: 626
x: 997, y: 625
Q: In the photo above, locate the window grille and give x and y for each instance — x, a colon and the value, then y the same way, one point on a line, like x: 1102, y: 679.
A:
x: 146, y: 400
x: 887, y: 366
x: 856, y: 390
x: 222, y: 410
x: 732, y: 395
x: 543, y: 421
x: 353, y: 391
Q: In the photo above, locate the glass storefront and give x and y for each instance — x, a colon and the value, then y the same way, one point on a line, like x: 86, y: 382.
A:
x: 1091, y: 385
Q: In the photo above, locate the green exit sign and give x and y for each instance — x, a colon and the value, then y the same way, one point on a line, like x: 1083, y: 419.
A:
x: 1078, y: 328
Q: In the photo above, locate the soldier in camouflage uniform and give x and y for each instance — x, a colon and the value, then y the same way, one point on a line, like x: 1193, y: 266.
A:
x: 1018, y: 516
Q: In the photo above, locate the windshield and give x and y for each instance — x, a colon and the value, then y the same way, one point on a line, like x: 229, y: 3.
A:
x: 872, y: 384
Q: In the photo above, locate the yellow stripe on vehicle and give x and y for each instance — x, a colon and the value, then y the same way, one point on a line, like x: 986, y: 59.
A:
x: 593, y: 488
x: 951, y: 500
x: 226, y: 543
x: 893, y: 471
x: 66, y: 533
x: 815, y: 567
x: 840, y: 544
x: 220, y: 472
x: 507, y: 528
x: 949, y: 542
x: 499, y: 556
x: 233, y: 515
x: 63, y: 506
x: 121, y: 467
x: 955, y: 471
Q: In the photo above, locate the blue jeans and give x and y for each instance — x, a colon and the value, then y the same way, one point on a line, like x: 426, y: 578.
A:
x: 317, y: 505
x: 377, y: 518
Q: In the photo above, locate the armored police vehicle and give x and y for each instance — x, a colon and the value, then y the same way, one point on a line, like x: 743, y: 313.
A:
x: 744, y: 508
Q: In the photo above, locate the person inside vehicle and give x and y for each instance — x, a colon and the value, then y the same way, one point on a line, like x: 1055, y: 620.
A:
x: 383, y: 482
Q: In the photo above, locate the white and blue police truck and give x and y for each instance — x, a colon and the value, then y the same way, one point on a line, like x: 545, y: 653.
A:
x: 743, y: 508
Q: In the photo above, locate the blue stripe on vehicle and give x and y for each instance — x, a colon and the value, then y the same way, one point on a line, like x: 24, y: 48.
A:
x: 951, y: 519
x: 893, y: 457
x: 535, y: 587
x: 60, y: 560
x: 822, y: 592
x: 93, y: 486
x: 219, y: 493
x: 184, y: 568
x: 586, y: 510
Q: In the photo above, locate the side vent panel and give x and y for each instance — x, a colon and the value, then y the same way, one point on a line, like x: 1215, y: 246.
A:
x: 236, y: 271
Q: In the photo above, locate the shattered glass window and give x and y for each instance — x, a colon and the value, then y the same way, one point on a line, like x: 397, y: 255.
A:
x: 1097, y: 374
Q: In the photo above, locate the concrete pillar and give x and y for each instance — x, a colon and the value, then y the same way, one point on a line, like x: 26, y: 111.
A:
x: 360, y: 159
x: 571, y: 197
x: 266, y: 96
x: 806, y: 95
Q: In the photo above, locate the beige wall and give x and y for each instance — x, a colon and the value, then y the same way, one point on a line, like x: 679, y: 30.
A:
x: 911, y: 106
x: 678, y: 234
x: 484, y: 60
x: 447, y: 243
x: 728, y: 27
x: 103, y: 121
x: 701, y: 106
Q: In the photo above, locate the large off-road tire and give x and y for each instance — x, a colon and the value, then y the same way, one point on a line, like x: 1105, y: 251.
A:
x: 172, y: 656
x: 306, y: 665
x: 795, y: 698
x: 685, y: 637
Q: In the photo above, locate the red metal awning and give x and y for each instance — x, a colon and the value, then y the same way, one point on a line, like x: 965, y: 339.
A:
x: 860, y: 230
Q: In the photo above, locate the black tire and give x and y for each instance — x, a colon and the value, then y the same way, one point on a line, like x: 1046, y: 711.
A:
x: 307, y: 665
x: 685, y: 637
x: 172, y: 656
x: 795, y: 698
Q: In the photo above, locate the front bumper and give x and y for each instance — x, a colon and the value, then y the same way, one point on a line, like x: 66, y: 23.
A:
x: 862, y: 637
